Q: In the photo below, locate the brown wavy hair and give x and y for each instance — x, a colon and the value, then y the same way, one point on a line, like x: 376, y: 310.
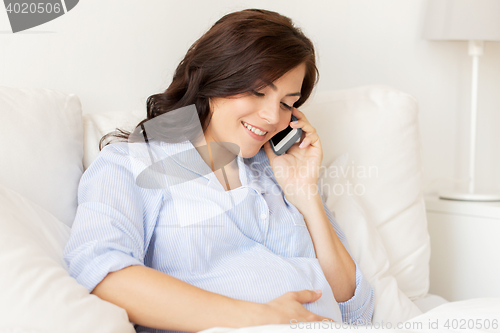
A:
x: 242, y: 52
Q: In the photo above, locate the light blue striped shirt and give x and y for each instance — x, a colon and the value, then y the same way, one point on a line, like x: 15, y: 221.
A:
x: 250, y: 243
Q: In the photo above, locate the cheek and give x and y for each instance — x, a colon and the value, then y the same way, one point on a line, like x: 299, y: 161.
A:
x: 242, y: 107
x: 284, y: 123
x: 281, y: 127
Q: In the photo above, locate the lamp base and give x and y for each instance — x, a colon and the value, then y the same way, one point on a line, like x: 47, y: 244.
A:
x: 465, y: 196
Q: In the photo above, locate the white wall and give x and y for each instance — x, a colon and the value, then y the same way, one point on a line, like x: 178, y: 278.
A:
x: 115, y: 53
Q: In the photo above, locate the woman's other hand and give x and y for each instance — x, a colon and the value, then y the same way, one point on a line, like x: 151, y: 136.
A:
x: 288, y: 309
x: 297, y: 171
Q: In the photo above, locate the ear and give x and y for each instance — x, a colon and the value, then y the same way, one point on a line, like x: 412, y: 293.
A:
x: 210, y: 114
x: 210, y: 105
x: 213, y: 104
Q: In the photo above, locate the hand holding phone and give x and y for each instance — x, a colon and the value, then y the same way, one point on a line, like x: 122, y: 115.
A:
x: 282, y: 141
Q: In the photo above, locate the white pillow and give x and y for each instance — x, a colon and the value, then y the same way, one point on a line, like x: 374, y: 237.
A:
x: 471, y: 315
x: 42, y: 147
x: 378, y: 127
x: 391, y: 304
x: 96, y: 125
x: 37, y: 292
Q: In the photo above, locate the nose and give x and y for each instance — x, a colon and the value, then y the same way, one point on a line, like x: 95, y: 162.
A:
x: 270, y: 113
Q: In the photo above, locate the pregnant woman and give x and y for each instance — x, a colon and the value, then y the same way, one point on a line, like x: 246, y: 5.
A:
x: 188, y: 230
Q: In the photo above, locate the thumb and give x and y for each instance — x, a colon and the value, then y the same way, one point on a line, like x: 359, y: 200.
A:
x: 308, y: 296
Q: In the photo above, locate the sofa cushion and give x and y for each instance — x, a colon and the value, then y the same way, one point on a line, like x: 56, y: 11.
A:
x: 96, y: 125
x: 38, y: 295
x: 41, y: 135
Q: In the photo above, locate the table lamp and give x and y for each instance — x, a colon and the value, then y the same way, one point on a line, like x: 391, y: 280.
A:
x: 475, y: 21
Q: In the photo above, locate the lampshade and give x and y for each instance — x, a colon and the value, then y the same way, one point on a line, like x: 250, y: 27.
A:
x: 462, y: 20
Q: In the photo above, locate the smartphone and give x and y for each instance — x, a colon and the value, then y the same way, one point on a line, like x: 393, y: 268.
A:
x: 282, y: 141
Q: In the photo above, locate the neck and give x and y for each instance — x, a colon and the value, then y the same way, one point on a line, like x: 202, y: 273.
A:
x: 216, y: 154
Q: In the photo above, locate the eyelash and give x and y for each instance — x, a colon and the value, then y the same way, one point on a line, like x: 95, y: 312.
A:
x: 286, y: 106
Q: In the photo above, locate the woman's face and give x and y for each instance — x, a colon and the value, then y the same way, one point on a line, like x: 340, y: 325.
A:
x: 249, y: 120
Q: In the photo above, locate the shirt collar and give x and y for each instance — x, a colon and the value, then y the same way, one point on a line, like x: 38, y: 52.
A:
x: 185, y: 155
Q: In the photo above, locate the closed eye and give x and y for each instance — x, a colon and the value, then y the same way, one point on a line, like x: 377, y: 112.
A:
x: 287, y: 106
x: 259, y: 94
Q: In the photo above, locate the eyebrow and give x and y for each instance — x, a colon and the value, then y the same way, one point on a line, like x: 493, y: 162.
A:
x: 273, y: 87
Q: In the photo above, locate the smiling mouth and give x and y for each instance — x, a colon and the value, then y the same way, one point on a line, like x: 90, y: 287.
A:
x: 253, y: 129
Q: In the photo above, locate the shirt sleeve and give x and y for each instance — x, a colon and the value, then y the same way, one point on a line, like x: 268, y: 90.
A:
x: 359, y: 309
x: 115, y: 219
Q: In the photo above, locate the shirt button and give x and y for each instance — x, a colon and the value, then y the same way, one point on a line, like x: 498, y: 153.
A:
x: 263, y: 216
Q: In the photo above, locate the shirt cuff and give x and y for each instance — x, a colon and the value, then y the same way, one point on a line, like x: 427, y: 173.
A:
x: 106, y: 263
x: 359, y: 309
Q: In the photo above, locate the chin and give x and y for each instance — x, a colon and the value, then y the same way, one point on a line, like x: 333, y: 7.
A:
x: 249, y: 153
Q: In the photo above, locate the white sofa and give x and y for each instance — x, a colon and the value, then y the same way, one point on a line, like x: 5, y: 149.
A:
x: 372, y: 181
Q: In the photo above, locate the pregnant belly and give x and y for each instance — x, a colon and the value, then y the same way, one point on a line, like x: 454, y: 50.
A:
x: 258, y: 275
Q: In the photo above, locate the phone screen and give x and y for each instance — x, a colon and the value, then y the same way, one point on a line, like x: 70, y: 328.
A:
x: 282, y: 141
x: 281, y: 135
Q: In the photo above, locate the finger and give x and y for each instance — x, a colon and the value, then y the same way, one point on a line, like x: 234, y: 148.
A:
x: 311, y: 140
x: 307, y: 296
x: 300, y: 115
x: 297, y: 113
x: 304, y: 125
x: 304, y: 143
x: 303, y: 136
x: 327, y: 319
